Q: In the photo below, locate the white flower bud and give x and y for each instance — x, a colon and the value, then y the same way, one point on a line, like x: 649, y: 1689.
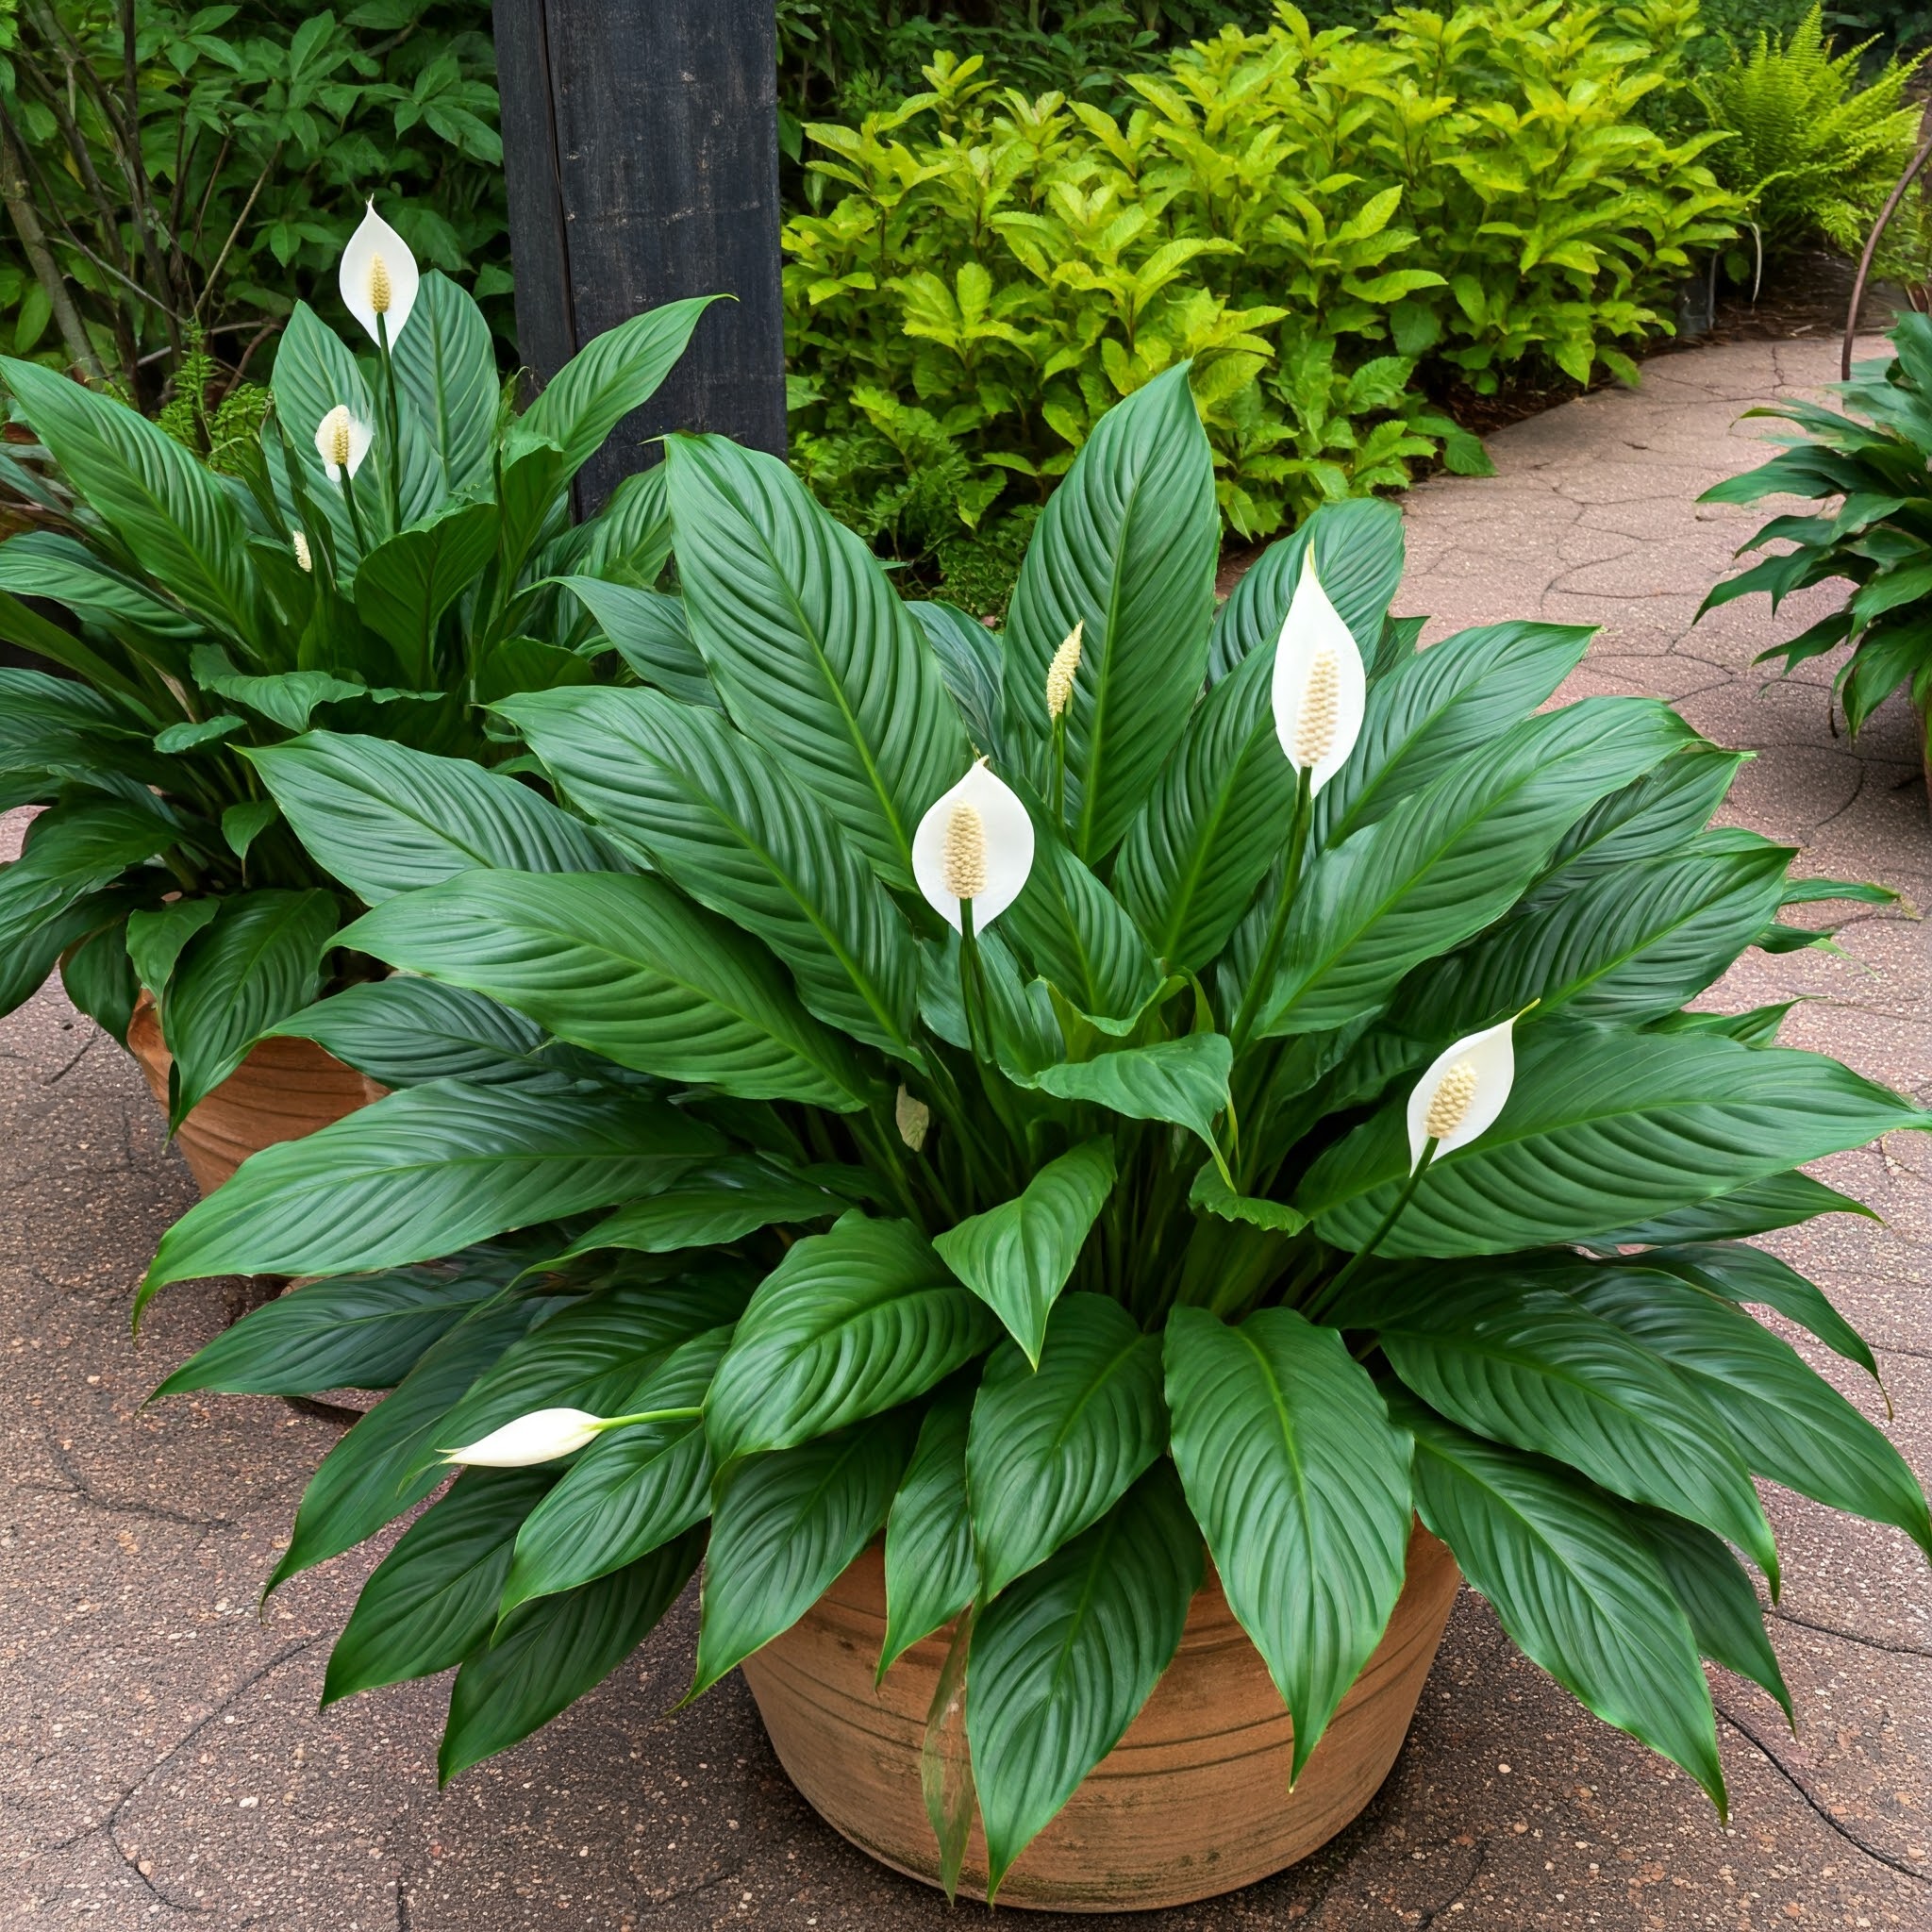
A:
x: 1062, y: 671
x: 342, y: 440
x: 300, y: 539
x: 974, y: 844
x: 542, y: 1435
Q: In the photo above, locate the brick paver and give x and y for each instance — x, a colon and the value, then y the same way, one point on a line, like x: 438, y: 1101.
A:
x: 161, y: 1758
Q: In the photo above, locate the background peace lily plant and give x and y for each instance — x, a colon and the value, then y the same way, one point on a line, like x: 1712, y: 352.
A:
x: 398, y: 556
x: 1163, y: 1083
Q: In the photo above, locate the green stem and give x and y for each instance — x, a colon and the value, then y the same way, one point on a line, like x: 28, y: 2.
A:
x: 354, y: 512
x: 1325, y: 1298
x: 395, y: 432
x: 1059, y: 771
x: 650, y: 1415
x: 1263, y: 981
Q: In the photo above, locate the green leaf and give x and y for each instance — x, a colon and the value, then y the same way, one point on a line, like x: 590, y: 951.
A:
x: 1792, y: 1424
x: 424, y: 1172
x: 1579, y: 1595
x: 849, y: 1323
x: 555, y: 1649
x: 179, y: 738
x: 610, y: 376
x: 1016, y: 1257
x: 433, y: 1598
x: 446, y: 370
x: 651, y: 634
x: 1053, y: 1448
x: 98, y: 974
x: 1184, y: 1081
x: 970, y: 661
x: 1742, y: 1273
x: 593, y: 1355
x: 726, y: 823
x: 783, y: 1528
x: 314, y: 371
x: 1063, y: 1662
x: 1215, y: 821
x: 60, y: 569
x: 1126, y: 546
x: 1457, y: 697
x: 1300, y: 1482
x: 244, y: 824
x: 1525, y: 1365
x: 709, y: 1206
x: 630, y: 1491
x: 1603, y: 1128
x: 72, y: 851
x: 362, y: 1332
x: 1211, y: 1193
x: 1359, y: 560
x: 1781, y: 1200
x: 1717, y: 1597
x: 405, y: 583
x: 520, y: 664
x: 931, y: 1573
x: 623, y: 966
x: 1628, y: 946
x: 1650, y: 818
x: 170, y: 512
x: 384, y: 818
x: 33, y: 947
x: 810, y: 646
x: 1452, y: 856
x: 377, y: 1472
x: 407, y: 1032
x: 1079, y: 937
x: 288, y: 698
x: 257, y: 963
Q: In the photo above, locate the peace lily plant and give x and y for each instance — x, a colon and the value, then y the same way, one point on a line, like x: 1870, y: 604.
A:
x: 398, y: 556
x: 1159, y: 1084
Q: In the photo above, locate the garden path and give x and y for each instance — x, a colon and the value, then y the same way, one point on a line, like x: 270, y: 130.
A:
x: 161, y: 1759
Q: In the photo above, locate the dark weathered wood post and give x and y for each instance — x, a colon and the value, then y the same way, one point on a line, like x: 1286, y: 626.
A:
x: 641, y: 152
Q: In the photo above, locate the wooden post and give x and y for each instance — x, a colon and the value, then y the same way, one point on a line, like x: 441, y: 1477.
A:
x: 641, y: 152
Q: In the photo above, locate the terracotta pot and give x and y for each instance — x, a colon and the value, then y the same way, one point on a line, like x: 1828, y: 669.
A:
x: 283, y: 1090
x: 1191, y: 1803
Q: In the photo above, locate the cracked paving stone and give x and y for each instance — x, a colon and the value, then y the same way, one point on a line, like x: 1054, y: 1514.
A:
x: 162, y: 1760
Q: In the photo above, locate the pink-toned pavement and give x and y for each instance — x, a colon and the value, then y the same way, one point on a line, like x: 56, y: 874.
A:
x: 163, y: 1761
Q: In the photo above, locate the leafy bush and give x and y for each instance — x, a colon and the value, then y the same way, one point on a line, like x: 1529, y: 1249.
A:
x: 1301, y: 215
x: 184, y: 182
x: 211, y: 623
x: 1879, y: 539
x: 910, y: 1083
x: 1813, y: 150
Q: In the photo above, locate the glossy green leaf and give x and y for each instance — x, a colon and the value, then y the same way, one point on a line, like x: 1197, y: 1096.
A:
x: 1781, y: 1200
x: 1530, y: 1366
x: 1126, y: 546
x: 555, y: 1650
x: 1300, y: 1483
x: 1079, y: 937
x: 651, y: 634
x: 1016, y: 1257
x: 931, y: 1571
x: 630, y: 1491
x: 446, y: 368
x: 715, y: 814
x: 384, y: 818
x: 1603, y: 1127
x: 98, y: 974
x: 625, y: 966
x: 405, y: 583
x: 433, y: 1598
x: 1062, y: 1662
x: 1054, y: 1448
x: 1578, y: 1595
x: 1742, y: 1273
x: 424, y: 1172
x: 258, y: 960
x: 356, y: 1331
x: 406, y: 1032
x: 710, y: 1207
x: 849, y: 1323
x: 157, y: 934
x: 1183, y: 1081
x: 970, y: 661
x: 810, y: 646
x: 1451, y: 858
x: 784, y: 1527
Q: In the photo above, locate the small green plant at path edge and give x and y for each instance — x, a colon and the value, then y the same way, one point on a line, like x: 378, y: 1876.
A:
x: 1179, y: 1082
x: 389, y: 588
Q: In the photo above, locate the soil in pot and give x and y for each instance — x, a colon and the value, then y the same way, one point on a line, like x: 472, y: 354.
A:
x: 283, y: 1090
x: 1192, y: 1802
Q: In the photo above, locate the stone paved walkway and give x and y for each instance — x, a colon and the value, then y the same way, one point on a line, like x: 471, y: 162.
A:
x: 161, y: 1759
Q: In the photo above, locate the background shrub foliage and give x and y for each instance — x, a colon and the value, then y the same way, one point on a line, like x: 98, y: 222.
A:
x: 1045, y: 1266
x: 1305, y: 216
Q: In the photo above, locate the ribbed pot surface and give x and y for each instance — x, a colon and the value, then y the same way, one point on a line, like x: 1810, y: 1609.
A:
x: 1191, y: 1803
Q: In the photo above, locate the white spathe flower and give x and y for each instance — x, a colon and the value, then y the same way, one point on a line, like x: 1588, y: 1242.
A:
x: 1463, y: 1092
x: 380, y: 275
x: 342, y: 440
x: 976, y: 844
x: 1320, y: 685
x: 542, y: 1435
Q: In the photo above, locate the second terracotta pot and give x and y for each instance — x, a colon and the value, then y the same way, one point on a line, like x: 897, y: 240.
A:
x: 1192, y: 1802
x: 284, y: 1090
